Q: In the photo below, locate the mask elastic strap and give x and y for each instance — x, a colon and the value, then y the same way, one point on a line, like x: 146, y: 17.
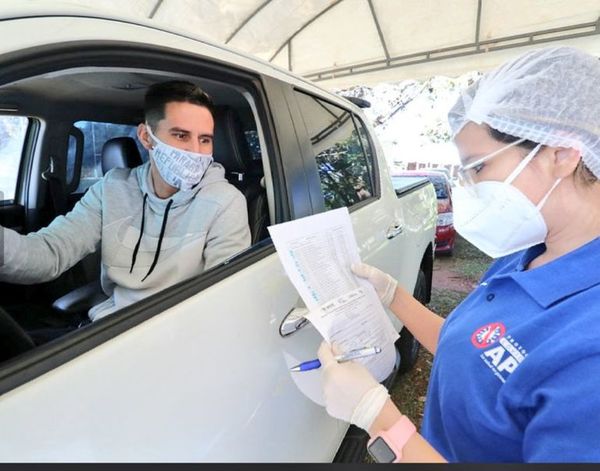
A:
x: 541, y: 203
x: 154, y: 138
x: 522, y: 165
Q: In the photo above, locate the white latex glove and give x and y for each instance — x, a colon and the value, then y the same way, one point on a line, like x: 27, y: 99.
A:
x: 384, y: 284
x: 350, y: 391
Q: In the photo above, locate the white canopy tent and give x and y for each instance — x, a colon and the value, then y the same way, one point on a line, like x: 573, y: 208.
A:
x: 340, y: 43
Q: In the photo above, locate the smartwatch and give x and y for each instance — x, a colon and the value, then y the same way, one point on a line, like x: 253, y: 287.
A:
x: 386, y: 446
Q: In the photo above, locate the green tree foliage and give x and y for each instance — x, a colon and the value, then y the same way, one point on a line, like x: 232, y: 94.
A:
x: 344, y: 173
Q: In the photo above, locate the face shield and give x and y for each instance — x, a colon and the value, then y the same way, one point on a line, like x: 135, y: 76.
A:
x: 467, y: 174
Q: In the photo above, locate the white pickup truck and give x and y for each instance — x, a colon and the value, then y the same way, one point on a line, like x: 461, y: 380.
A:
x: 198, y: 372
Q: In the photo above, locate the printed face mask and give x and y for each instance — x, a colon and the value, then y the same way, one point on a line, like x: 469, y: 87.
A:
x: 498, y: 218
x: 179, y: 168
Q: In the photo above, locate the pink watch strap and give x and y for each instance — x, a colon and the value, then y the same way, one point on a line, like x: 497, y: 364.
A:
x: 397, y: 436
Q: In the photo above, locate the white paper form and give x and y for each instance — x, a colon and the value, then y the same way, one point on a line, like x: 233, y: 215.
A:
x: 316, y: 253
x: 355, y: 320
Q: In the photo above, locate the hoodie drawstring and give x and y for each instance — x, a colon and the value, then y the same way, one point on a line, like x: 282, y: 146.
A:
x: 137, y: 246
x: 160, y: 237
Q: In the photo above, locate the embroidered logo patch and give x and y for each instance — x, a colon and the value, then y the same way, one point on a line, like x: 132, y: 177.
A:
x: 502, y: 353
x: 488, y: 334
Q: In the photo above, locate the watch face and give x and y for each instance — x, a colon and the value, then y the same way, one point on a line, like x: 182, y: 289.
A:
x: 381, y: 452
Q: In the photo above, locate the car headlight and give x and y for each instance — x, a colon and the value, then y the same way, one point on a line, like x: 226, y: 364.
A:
x: 445, y: 219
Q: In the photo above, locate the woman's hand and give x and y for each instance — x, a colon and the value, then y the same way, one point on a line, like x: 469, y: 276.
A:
x: 384, y: 284
x: 350, y: 391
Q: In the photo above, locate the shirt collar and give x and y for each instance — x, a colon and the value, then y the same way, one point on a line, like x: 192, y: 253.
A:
x: 569, y: 274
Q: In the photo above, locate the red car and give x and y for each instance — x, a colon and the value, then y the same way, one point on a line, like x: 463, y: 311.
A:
x: 445, y: 234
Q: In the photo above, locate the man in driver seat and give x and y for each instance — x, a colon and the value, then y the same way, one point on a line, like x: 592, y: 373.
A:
x: 157, y: 224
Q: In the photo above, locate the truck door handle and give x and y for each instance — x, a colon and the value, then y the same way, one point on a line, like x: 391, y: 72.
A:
x: 293, y: 321
x: 394, y: 230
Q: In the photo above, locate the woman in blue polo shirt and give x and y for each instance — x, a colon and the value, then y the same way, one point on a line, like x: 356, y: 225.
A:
x: 516, y: 375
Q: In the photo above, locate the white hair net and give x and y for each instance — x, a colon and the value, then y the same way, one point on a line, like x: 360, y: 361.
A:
x: 550, y: 96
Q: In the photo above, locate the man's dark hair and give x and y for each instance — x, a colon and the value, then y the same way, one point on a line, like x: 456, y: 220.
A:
x: 159, y: 94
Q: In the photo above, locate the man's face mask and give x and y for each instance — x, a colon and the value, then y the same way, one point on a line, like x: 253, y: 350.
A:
x: 497, y: 217
x: 179, y: 168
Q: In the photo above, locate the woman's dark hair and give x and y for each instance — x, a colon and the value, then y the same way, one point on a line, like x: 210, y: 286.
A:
x: 584, y: 174
x: 158, y: 95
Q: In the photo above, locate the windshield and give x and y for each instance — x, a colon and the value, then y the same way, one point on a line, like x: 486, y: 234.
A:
x: 440, y: 187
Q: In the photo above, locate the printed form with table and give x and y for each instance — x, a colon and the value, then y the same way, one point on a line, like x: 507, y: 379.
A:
x: 316, y: 253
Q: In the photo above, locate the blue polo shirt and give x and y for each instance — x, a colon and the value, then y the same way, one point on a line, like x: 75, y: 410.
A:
x: 516, y: 375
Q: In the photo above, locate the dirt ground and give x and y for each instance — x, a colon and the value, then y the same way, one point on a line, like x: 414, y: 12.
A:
x: 446, y: 278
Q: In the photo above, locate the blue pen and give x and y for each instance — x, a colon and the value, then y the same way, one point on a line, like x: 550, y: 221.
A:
x: 351, y: 355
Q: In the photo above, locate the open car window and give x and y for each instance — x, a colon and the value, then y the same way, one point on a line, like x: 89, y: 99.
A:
x: 74, y: 137
x: 13, y: 130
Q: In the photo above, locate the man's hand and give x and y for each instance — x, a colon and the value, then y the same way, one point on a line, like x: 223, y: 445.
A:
x: 350, y: 391
x: 384, y: 284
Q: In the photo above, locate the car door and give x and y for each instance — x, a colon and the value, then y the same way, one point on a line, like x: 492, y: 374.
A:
x: 197, y: 372
x: 206, y: 379
x: 345, y: 168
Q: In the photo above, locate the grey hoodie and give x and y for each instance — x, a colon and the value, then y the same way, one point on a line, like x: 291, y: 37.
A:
x: 203, y: 227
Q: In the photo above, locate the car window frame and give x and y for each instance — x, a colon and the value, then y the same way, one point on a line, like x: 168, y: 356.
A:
x: 376, y: 176
x: 25, y: 151
x: 61, y: 56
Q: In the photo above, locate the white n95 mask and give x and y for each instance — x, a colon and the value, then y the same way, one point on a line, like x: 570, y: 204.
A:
x: 498, y: 218
x: 179, y: 168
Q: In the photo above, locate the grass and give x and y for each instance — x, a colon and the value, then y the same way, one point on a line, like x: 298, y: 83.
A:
x: 410, y: 391
x: 469, y: 261
x: 443, y: 301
